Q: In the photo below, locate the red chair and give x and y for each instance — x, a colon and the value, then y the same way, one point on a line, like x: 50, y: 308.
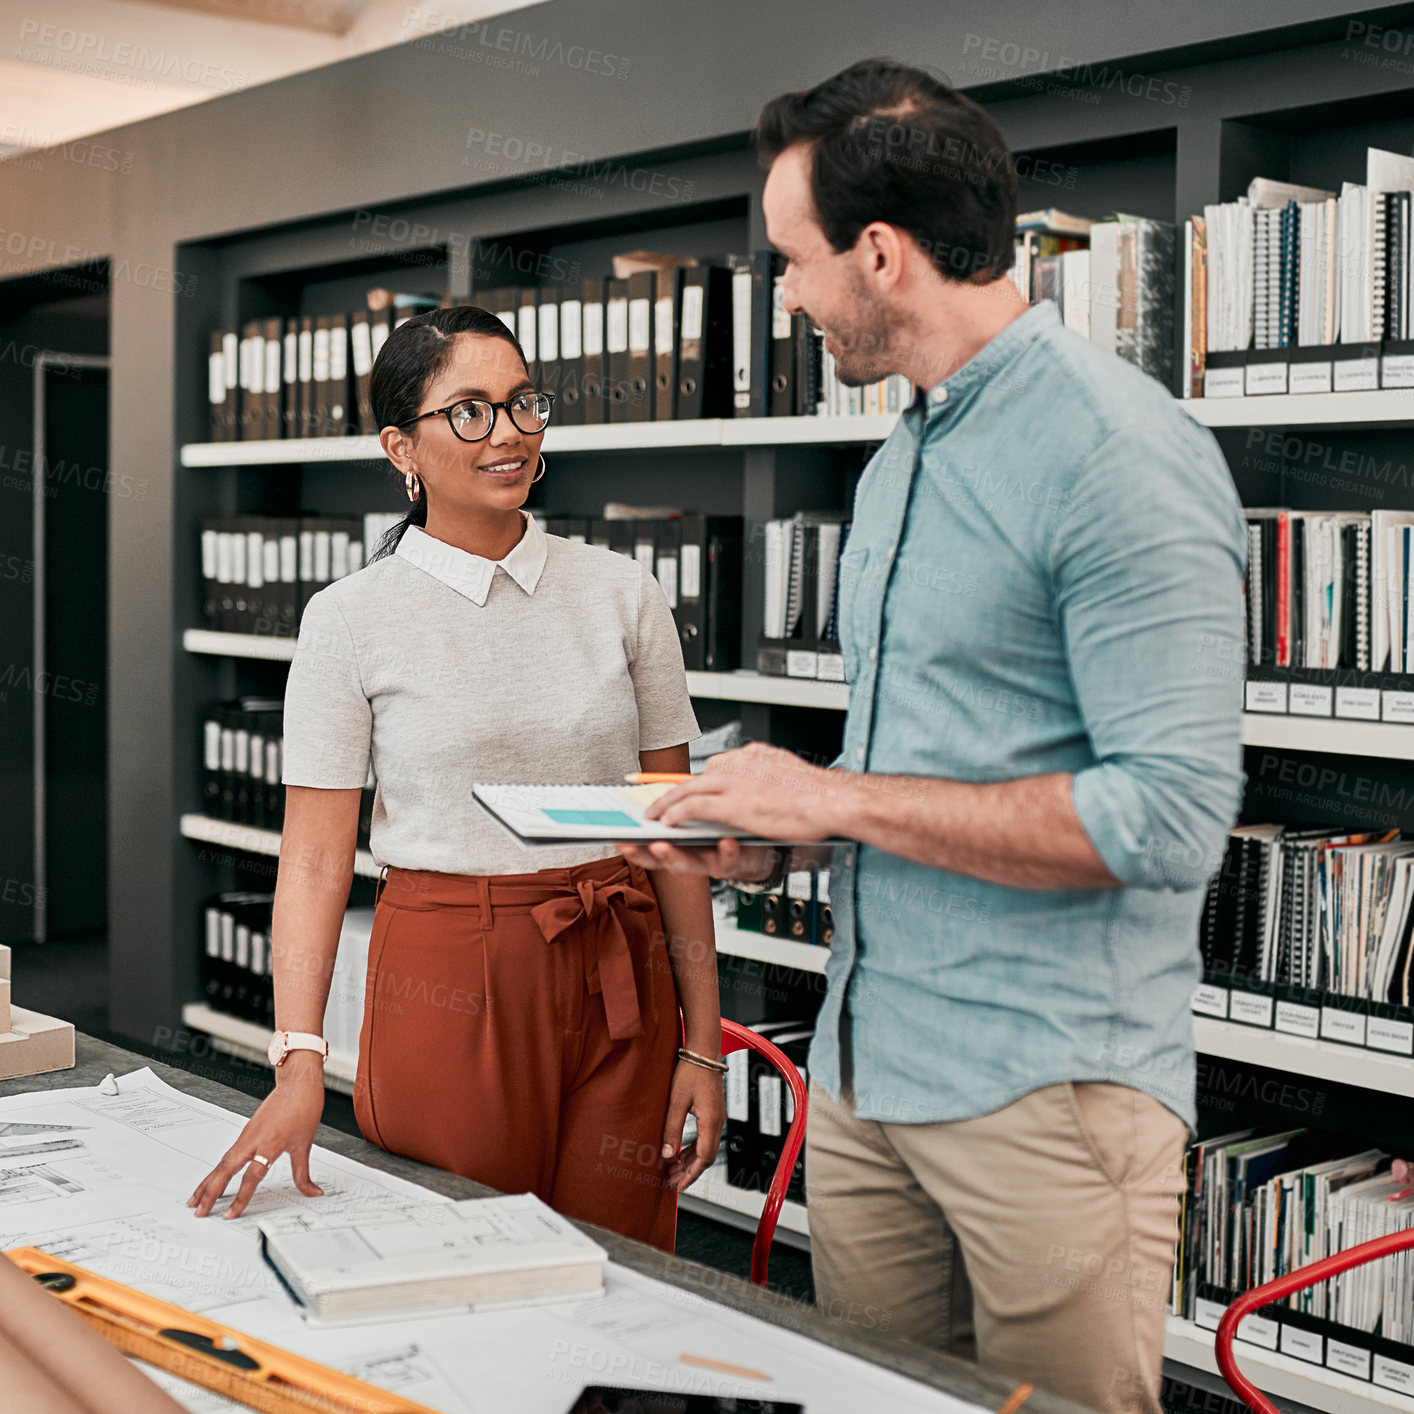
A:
x: 1259, y: 1296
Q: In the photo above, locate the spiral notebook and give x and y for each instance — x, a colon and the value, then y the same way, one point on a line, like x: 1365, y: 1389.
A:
x: 602, y: 814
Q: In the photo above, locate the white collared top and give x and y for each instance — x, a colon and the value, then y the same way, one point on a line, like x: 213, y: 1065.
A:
x: 558, y: 663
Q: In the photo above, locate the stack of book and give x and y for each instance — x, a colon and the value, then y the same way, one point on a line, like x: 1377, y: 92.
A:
x: 1294, y: 289
x: 760, y: 1109
x: 1260, y: 1205
x: 800, y: 628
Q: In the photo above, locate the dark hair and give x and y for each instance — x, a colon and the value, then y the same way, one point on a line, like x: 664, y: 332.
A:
x: 411, y: 357
x: 893, y: 143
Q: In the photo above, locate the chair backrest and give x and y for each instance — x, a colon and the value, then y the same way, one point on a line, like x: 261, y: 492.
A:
x: 736, y: 1037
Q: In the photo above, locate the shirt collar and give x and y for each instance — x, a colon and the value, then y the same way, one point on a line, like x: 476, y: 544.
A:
x: 469, y: 574
x: 1009, y: 343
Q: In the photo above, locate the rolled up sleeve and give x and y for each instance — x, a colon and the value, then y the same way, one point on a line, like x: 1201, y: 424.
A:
x: 1148, y: 565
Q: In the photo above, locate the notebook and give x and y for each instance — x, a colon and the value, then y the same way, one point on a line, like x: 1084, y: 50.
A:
x: 479, y: 1253
x: 547, y: 815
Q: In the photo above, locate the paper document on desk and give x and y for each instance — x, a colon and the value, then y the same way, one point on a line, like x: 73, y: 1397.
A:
x: 541, y: 815
x: 116, y: 1204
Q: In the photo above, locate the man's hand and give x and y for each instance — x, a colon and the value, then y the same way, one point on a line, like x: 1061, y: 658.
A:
x: 763, y: 789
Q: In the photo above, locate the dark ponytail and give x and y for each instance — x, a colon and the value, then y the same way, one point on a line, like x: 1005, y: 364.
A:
x: 411, y: 357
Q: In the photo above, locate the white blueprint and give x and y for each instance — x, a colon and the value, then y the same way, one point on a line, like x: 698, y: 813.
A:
x: 104, y: 1183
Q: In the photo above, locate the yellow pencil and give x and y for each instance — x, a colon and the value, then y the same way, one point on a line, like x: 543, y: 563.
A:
x: 722, y: 1366
x: 655, y: 778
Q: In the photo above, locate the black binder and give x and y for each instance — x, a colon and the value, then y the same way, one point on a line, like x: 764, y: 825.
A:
x: 273, y: 383
x: 705, y: 348
x: 596, y: 365
x: 547, y: 342
x: 304, y: 413
x: 785, y: 350
x: 640, y: 347
x: 666, y: 338
x: 616, y: 355
x: 569, y: 409
x: 709, y: 592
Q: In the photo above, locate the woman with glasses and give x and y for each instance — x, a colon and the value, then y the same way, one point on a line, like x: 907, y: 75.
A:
x: 521, y: 1019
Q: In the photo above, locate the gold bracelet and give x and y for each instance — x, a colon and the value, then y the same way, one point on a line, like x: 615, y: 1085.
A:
x: 706, y: 1062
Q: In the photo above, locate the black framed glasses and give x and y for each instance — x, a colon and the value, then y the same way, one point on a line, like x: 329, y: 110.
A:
x: 472, y: 419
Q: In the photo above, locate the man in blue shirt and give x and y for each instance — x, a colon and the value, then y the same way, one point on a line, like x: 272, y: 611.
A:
x: 1041, y: 616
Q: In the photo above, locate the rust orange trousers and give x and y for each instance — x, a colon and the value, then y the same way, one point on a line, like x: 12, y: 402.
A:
x: 522, y: 1030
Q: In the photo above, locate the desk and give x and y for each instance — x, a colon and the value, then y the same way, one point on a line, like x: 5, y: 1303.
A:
x: 97, y: 1058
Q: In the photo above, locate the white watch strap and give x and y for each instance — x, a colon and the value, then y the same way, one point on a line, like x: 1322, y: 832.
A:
x: 306, y: 1041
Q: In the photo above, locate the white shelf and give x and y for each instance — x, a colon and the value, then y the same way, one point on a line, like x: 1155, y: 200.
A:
x: 238, y: 645
x: 1333, y: 734
x: 714, y: 1190
x: 1321, y: 1060
x: 1389, y: 406
x: 249, y: 1041
x: 613, y: 437
x: 758, y: 687
x: 1282, y: 1376
x: 253, y: 840
x: 763, y: 947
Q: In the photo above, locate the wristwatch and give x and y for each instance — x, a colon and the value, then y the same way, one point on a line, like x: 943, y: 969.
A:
x: 773, y: 880
x: 283, y: 1042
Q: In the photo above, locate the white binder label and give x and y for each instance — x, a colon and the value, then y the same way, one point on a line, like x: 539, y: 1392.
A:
x: 216, y: 378
x: 272, y: 365
x: 291, y: 357
x: 1207, y: 1315
x: 270, y: 568
x: 1362, y: 704
x: 1304, y: 1345
x: 1347, y: 1026
x: 1250, y: 1007
x: 802, y: 663
x: 1397, y: 371
x: 1398, y: 707
x: 1308, y: 700
x: 230, y: 349
x: 768, y: 1091
x: 738, y: 1087
x: 691, y: 572
x: 830, y: 667
x: 1356, y: 375
x: 571, y: 329
x: 692, y: 311
x: 593, y: 330
x: 321, y: 355
x: 668, y: 578
x: 208, y: 554
x: 1209, y: 1000
x: 1348, y: 1359
x: 1266, y: 378
x: 638, y: 325
x: 254, y: 560
x: 306, y: 355
x: 663, y: 326
x: 1393, y: 1374
x: 362, y: 345
x: 525, y: 329
x: 1309, y: 378
x: 1222, y: 383
x: 616, y: 326
x: 1258, y: 1330
x: 549, y: 332
x: 780, y: 319
x: 1297, y: 1020
x: 1266, y: 697
x: 338, y: 354
x: 1381, y: 1034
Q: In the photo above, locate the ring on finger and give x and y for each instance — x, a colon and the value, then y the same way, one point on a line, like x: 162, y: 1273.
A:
x: 260, y: 1159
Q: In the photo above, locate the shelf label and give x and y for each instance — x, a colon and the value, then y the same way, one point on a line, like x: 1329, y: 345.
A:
x: 1356, y: 375
x: 1251, y: 1008
x: 1347, y: 1026
x: 1361, y: 704
x: 1398, y: 707
x: 1222, y: 382
x: 1381, y: 1034
x: 1258, y: 1330
x: 802, y: 663
x: 1266, y: 378
x: 1348, y: 1359
x: 1393, y: 1374
x: 1210, y: 1001
x: 1308, y: 700
x: 1304, y: 1345
x: 830, y: 667
x: 1267, y: 697
x: 1309, y: 378
x: 1397, y: 371
x: 1297, y: 1020
x: 1207, y: 1315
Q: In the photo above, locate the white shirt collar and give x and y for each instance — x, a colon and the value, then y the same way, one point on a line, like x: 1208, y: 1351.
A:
x: 469, y: 574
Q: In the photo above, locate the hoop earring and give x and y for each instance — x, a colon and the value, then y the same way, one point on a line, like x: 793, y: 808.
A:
x: 539, y: 473
x: 412, y: 484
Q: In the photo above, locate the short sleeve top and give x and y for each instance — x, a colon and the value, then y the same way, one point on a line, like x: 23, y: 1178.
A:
x: 557, y: 664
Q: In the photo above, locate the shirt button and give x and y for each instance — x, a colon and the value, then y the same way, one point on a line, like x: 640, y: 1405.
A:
x: 859, y: 753
x: 940, y: 395
x: 873, y: 654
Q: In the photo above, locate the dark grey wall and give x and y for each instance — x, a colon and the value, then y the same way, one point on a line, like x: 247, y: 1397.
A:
x: 589, y: 80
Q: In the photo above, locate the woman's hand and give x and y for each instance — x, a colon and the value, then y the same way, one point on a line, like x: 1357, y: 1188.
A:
x: 698, y: 1091
x: 284, y: 1124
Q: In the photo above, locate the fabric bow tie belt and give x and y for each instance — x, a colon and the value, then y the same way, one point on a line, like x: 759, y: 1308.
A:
x: 596, y: 908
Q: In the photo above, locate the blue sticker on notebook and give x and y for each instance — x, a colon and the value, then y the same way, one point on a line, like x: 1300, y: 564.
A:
x: 607, y: 819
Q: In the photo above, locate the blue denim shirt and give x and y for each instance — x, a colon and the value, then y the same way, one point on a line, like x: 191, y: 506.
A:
x: 1043, y: 575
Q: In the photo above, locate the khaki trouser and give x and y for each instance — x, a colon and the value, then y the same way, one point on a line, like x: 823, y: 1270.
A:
x: 1059, y: 1211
